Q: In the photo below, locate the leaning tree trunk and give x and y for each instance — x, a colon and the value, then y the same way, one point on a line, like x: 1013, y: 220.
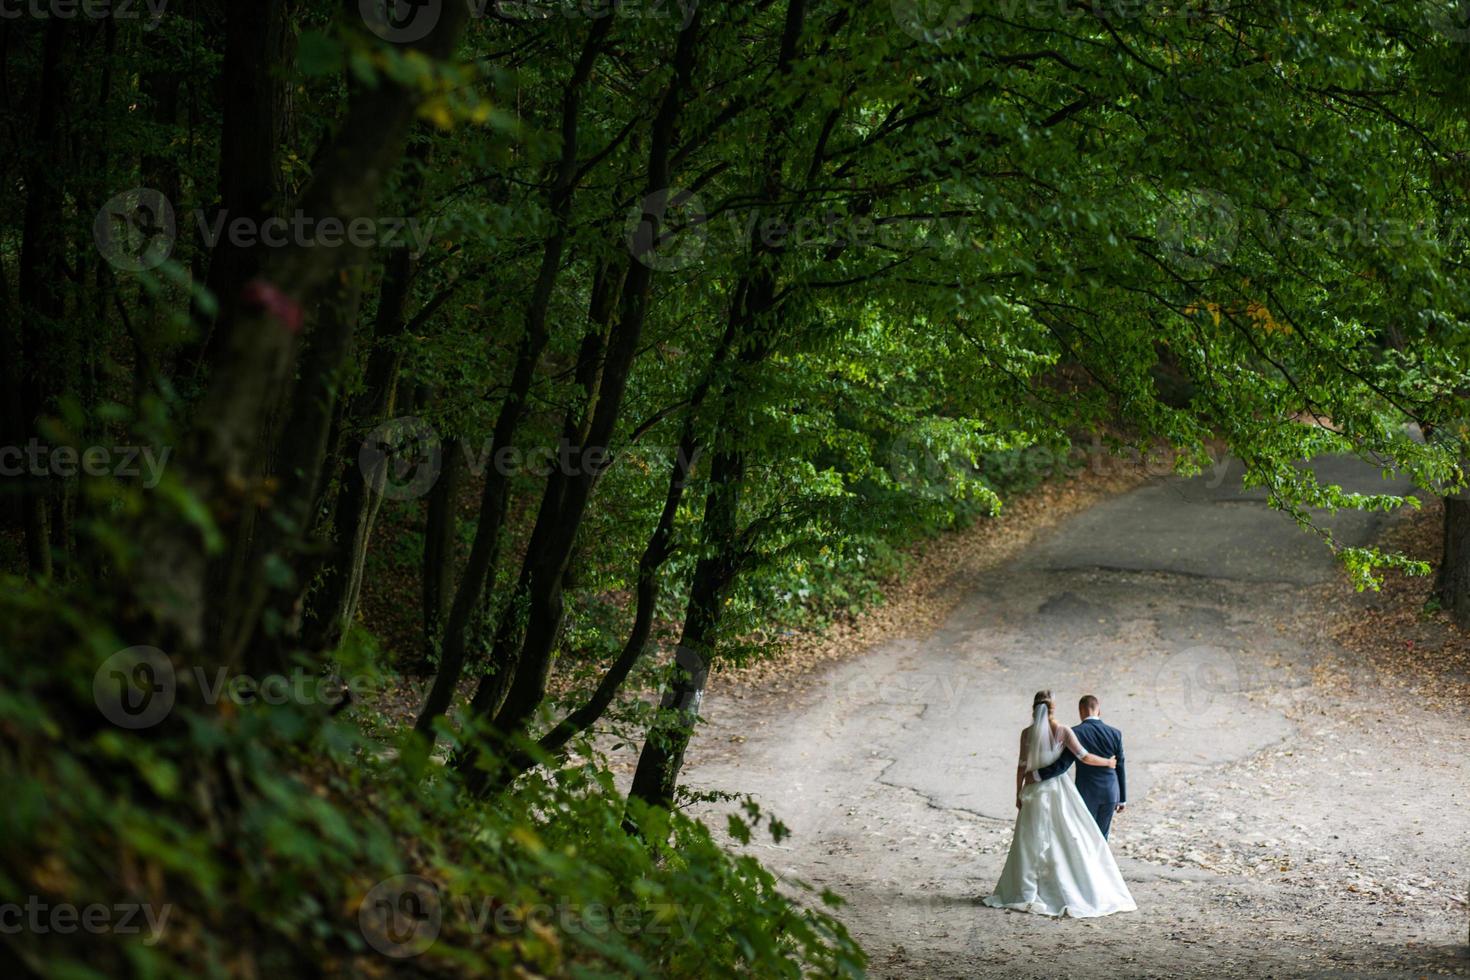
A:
x: 753, y: 301
x: 528, y: 662
x: 607, y: 286
x: 507, y: 636
x: 658, y: 550
x: 662, y: 757
x: 724, y: 554
x: 495, y: 497
x: 256, y: 354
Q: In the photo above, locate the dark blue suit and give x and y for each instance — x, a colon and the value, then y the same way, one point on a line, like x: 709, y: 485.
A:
x: 1101, y: 788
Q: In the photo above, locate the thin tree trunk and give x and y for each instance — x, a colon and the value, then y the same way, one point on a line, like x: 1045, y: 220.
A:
x: 723, y: 557
x: 507, y: 633
x: 99, y: 287
x: 1452, y: 582
x: 495, y: 497
x: 333, y: 605
x: 655, y: 554
x: 257, y: 350
x: 12, y: 422
x: 529, y: 662
x: 657, y: 775
x: 439, y: 525
x: 42, y: 276
x: 754, y: 299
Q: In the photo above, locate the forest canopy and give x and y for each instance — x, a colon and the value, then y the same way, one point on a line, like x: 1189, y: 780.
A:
x: 539, y: 359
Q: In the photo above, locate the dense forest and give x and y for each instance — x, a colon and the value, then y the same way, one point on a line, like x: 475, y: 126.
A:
x: 602, y: 341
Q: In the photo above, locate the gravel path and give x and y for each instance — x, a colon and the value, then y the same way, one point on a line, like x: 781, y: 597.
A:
x: 1277, y: 826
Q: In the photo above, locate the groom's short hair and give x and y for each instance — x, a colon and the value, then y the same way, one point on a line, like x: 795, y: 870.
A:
x: 1087, y: 705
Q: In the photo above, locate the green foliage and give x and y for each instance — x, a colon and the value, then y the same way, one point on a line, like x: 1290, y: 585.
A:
x: 920, y: 262
x: 256, y: 833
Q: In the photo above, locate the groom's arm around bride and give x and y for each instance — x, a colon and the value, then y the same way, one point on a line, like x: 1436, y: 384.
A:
x: 1103, y: 790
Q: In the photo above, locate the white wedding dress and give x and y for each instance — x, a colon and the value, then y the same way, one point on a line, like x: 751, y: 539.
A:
x: 1059, y: 863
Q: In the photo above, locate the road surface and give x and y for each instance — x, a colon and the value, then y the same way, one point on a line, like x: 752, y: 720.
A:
x: 1275, y: 826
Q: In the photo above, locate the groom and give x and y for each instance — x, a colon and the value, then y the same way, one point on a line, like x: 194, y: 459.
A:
x: 1104, y: 790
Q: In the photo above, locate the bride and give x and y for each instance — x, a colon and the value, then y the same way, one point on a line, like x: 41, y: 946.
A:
x: 1059, y: 863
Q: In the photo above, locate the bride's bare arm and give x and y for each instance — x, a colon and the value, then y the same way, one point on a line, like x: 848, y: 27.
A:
x: 1070, y: 741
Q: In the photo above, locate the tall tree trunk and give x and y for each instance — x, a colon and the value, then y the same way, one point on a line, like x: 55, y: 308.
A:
x: 12, y: 419
x: 256, y: 353
x: 42, y: 278
x: 331, y: 608
x: 1452, y: 581
x: 282, y: 538
x: 495, y: 497
x: 657, y: 775
x: 528, y: 663
x: 754, y: 299
x: 439, y: 525
x: 257, y: 48
x: 98, y: 286
x: 723, y: 549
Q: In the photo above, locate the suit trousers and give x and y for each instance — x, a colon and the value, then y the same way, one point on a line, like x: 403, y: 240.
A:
x: 1103, y: 814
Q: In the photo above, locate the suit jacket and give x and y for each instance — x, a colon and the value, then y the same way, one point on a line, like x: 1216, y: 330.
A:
x: 1097, y: 784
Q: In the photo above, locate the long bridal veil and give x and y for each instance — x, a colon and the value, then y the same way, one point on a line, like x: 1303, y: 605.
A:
x: 1041, y: 743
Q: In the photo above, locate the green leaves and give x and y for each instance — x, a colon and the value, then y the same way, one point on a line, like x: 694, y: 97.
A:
x: 320, y: 54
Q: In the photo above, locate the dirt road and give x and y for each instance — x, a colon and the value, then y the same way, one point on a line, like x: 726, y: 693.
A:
x: 1275, y: 827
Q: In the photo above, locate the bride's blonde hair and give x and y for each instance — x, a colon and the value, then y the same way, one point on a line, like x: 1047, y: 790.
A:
x: 1044, y: 697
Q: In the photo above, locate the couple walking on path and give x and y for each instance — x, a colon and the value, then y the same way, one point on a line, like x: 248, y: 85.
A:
x: 1059, y: 862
